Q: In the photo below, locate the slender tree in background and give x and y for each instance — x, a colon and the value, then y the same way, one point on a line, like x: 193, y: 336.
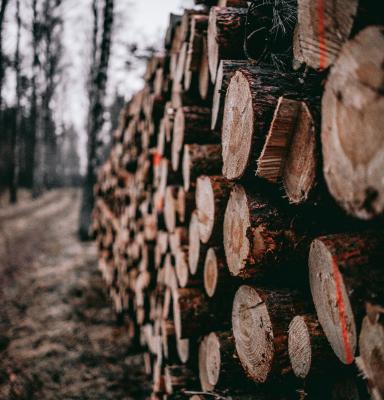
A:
x: 3, y: 7
x: 15, y: 155
x: 99, y: 77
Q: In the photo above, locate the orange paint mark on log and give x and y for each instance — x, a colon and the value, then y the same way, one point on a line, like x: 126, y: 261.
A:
x: 321, y: 33
x: 341, y: 308
x: 156, y: 159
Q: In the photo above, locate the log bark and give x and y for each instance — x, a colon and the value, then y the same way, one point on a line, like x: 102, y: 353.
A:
x: 260, y: 321
x: 308, y: 347
x: 352, y: 121
x: 345, y: 271
x: 225, y: 36
x: 198, y: 160
x: 212, y: 194
x: 250, y: 103
x: 191, y: 126
x: 226, y: 70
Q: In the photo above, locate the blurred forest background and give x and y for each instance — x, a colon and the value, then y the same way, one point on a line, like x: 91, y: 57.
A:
x: 66, y: 68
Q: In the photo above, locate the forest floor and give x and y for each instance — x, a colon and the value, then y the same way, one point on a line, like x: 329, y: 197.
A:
x: 58, y: 334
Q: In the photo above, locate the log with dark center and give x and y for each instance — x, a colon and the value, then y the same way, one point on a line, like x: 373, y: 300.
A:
x: 197, y: 250
x: 226, y: 70
x: 260, y: 321
x: 308, y: 347
x: 191, y: 126
x: 352, y: 121
x: 212, y: 193
x: 195, y: 315
x: 225, y: 36
x: 250, y: 103
x: 344, y: 271
x: 324, y: 27
x: 200, y: 159
x: 217, y: 279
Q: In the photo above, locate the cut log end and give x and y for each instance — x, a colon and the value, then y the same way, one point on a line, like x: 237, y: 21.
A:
x: 331, y: 300
x: 213, y: 358
x: 211, y: 272
x: 182, y: 271
x: 299, y: 347
x: 186, y: 167
x: 205, y: 204
x: 352, y: 125
x: 203, y: 373
x: 236, y: 223
x: 253, y: 333
x: 194, y: 243
x: 237, y: 131
x: 178, y: 138
x: 213, y: 47
x: 170, y: 208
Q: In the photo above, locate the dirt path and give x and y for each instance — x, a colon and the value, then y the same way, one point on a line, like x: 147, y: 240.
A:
x: 58, y: 336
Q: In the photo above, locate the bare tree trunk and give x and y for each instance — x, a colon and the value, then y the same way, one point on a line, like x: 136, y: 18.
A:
x: 3, y: 7
x: 96, y: 109
x: 15, y: 161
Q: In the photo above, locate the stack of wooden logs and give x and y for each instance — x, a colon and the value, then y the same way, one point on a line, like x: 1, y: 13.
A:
x: 239, y: 215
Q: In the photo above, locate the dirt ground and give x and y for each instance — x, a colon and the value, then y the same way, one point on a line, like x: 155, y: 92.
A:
x: 59, y: 338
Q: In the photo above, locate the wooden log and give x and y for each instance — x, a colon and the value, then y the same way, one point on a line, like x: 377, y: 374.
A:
x: 344, y: 271
x: 352, y: 121
x: 198, y: 160
x: 191, y: 126
x: 323, y: 28
x: 185, y: 204
x: 178, y: 377
x: 170, y: 208
x: 250, y: 103
x: 223, y: 368
x: 180, y: 68
x: 226, y: 70
x: 204, y: 81
x: 217, y: 280
x: 260, y: 320
x: 225, y: 36
x: 178, y: 239
x: 212, y: 193
x: 290, y: 150
x: 197, y: 250
x: 203, y: 373
x: 371, y: 347
x: 308, y: 347
x: 194, y: 315
x: 174, y: 21
x: 182, y: 270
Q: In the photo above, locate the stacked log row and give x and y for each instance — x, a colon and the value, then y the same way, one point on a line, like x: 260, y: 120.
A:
x: 219, y: 237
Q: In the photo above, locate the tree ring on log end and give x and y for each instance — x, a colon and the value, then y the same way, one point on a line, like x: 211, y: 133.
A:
x: 236, y: 224
x: 299, y: 347
x: 331, y: 300
x: 252, y: 330
x: 238, y: 127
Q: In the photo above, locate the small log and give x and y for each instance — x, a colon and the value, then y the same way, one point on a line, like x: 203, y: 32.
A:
x: 170, y: 208
x: 217, y: 279
x: 180, y: 68
x: 194, y: 315
x: 226, y: 70
x: 323, y: 29
x: 223, y: 368
x: 212, y: 193
x: 204, y: 81
x: 182, y: 270
x: 371, y: 358
x: 352, y: 121
x: 203, y: 373
x: 260, y: 321
x: 250, y: 103
x: 185, y: 204
x: 178, y: 239
x: 191, y: 126
x: 344, y: 271
x: 197, y: 250
x: 225, y: 36
x: 198, y: 160
x: 308, y: 347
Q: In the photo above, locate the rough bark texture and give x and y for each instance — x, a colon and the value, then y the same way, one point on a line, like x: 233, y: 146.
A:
x: 345, y: 271
x: 225, y: 36
x: 352, y: 120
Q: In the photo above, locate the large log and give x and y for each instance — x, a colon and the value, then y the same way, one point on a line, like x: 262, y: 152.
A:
x: 212, y: 193
x: 225, y: 36
x: 260, y: 321
x: 308, y: 347
x: 344, y: 271
x: 352, y: 120
x: 250, y: 103
x: 199, y: 160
